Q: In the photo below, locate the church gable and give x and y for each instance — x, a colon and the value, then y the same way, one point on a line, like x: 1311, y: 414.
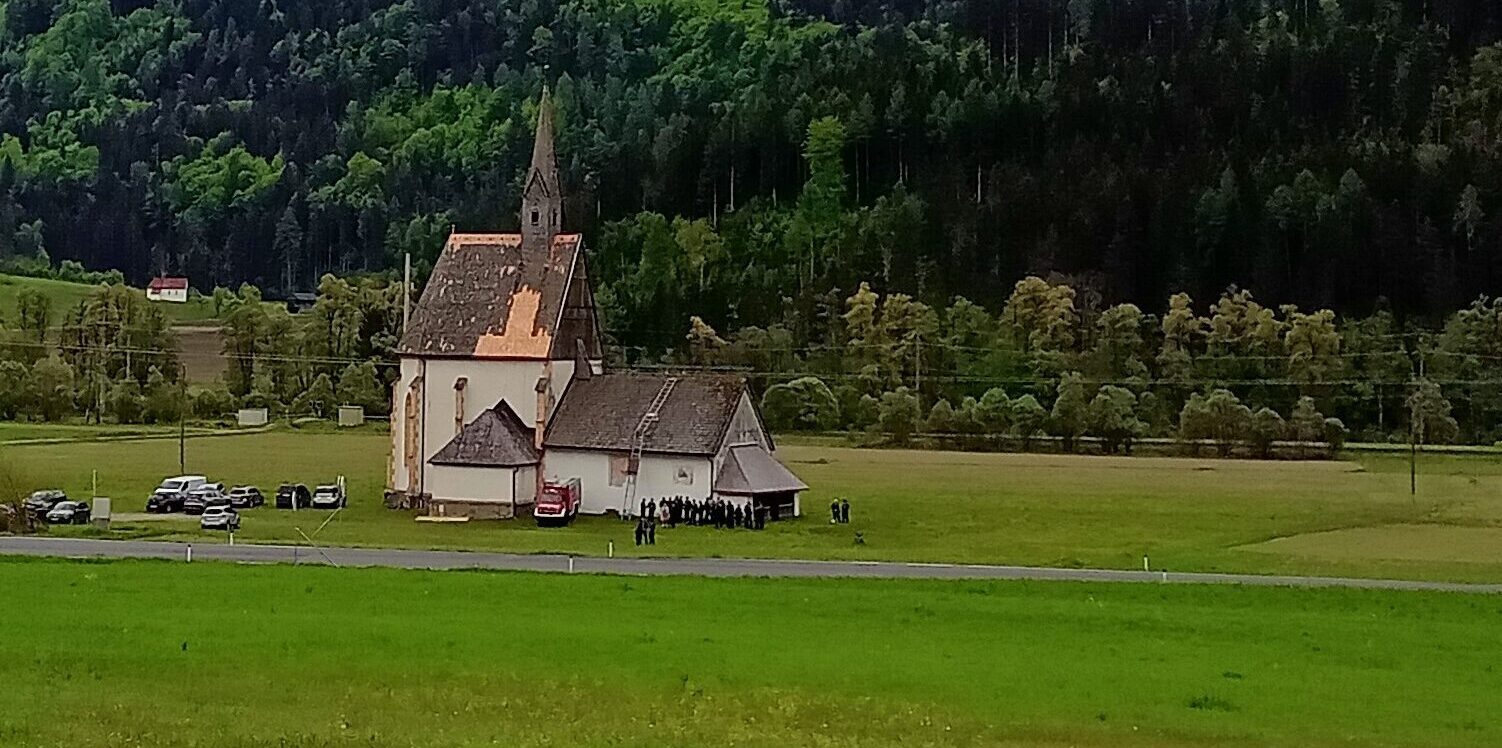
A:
x: 579, y: 321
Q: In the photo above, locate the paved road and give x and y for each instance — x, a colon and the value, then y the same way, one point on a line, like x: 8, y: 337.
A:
x: 706, y: 567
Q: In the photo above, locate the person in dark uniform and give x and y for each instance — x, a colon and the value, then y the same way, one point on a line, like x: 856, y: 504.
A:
x: 834, y: 511
x: 640, y: 530
x: 651, y: 531
x: 844, y: 511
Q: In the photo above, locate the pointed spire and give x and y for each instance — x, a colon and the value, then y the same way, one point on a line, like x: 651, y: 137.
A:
x: 544, y: 157
x: 542, y: 197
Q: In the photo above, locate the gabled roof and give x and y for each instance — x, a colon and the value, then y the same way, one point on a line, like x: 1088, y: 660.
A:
x: 749, y: 470
x: 164, y: 283
x: 496, y: 438
x: 495, y: 296
x: 602, y: 412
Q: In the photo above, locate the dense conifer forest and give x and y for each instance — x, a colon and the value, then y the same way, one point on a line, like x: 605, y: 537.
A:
x: 893, y: 214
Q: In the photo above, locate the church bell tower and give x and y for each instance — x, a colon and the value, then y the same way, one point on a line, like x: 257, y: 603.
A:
x: 542, y: 198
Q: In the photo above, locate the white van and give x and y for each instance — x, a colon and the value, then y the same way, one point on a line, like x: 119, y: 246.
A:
x: 173, y: 492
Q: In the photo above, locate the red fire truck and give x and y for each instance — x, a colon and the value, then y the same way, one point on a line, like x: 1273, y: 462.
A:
x: 559, y: 503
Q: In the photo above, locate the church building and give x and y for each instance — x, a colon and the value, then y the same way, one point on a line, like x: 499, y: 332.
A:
x: 503, y: 388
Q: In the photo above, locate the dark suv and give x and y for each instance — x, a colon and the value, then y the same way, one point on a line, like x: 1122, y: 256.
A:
x: 293, y: 496
x: 246, y: 497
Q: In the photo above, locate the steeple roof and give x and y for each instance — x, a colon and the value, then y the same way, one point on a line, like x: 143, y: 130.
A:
x: 543, y: 175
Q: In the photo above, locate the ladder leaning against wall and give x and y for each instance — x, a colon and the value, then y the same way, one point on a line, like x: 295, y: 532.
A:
x: 638, y: 439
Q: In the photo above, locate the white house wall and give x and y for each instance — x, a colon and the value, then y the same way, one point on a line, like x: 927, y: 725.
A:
x: 658, y: 477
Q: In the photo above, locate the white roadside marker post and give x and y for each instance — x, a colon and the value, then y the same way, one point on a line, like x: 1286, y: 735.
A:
x: 190, y: 553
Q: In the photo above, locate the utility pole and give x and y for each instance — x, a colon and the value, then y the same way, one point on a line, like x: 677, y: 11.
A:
x: 406, y: 290
x: 918, y: 367
x: 182, y: 420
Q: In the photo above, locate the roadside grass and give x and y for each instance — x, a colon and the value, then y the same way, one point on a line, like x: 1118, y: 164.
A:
x: 1053, y: 510
x: 166, y: 654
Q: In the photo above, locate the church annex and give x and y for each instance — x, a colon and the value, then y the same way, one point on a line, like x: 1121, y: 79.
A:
x: 503, y: 388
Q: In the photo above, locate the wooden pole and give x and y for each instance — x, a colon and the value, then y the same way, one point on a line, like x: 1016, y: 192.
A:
x: 406, y: 290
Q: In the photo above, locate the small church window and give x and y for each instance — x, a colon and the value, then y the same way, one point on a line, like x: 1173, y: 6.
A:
x: 620, y: 466
x: 554, y: 223
x: 684, y: 476
x: 535, y: 216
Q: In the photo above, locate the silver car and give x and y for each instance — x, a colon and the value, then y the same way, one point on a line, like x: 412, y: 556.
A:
x: 220, y: 518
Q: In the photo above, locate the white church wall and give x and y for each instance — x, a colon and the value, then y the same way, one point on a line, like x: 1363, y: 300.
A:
x: 604, y: 486
x: 465, y: 483
x: 398, y: 463
x: 487, y: 382
x: 526, y: 485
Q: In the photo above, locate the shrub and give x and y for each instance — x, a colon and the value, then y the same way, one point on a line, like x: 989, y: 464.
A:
x: 126, y: 403
x: 213, y: 402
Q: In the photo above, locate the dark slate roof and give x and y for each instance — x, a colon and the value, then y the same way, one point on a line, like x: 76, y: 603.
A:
x: 749, y: 469
x: 494, y: 296
x: 497, y: 438
x: 602, y: 412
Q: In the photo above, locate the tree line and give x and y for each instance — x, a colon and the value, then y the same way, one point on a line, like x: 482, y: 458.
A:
x: 1234, y: 373
x: 736, y: 160
x: 114, y: 356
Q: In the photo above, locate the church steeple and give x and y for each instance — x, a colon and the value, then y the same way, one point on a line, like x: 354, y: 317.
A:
x: 542, y: 198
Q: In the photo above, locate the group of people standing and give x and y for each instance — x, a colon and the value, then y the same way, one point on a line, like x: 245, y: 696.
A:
x: 682, y: 510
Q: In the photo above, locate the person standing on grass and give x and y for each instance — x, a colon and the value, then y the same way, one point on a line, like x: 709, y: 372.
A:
x: 844, y: 511
x: 834, y: 511
x: 639, y: 531
x: 651, y: 531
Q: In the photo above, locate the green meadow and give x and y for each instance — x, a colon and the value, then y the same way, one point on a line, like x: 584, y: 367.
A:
x: 1333, y: 517
x: 170, y: 654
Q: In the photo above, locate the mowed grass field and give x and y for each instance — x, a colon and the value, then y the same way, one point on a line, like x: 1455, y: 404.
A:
x: 169, y: 654
x: 1334, y: 518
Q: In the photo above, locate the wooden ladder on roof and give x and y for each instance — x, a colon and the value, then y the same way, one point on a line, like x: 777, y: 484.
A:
x: 639, y: 438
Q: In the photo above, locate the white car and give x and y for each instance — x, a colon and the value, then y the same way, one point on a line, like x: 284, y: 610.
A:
x: 220, y: 518
x: 328, y: 497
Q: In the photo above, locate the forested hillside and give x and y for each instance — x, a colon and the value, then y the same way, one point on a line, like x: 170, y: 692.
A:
x: 750, y: 161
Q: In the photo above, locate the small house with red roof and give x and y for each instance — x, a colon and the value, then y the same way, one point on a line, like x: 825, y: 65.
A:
x: 168, y: 288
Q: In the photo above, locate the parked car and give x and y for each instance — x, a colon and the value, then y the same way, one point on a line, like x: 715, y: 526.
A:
x: 559, y: 503
x: 246, y: 497
x: 173, y: 493
x: 220, y: 518
x: 41, y: 502
x: 328, y: 497
x: 205, y: 496
x: 293, y: 496
x: 69, y: 513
